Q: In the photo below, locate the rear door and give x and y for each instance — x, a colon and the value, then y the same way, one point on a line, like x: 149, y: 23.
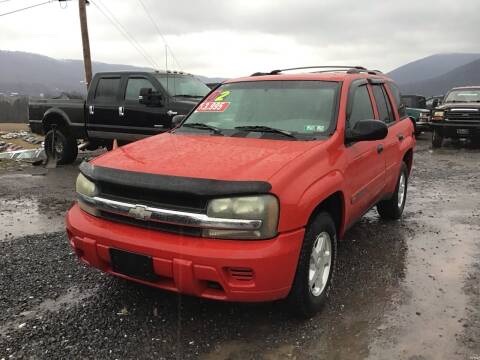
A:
x: 102, y: 117
x: 392, y: 141
x: 140, y: 120
x: 365, y: 172
x: 400, y: 134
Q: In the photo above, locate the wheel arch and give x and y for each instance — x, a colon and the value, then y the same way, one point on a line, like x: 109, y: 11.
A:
x: 54, y: 116
x: 408, y: 159
x: 334, y: 204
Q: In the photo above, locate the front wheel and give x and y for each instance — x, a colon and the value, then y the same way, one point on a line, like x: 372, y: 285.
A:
x: 316, y: 267
x: 61, y: 146
x: 392, y: 208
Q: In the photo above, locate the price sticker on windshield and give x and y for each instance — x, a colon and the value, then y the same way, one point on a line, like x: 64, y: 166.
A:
x: 213, y: 106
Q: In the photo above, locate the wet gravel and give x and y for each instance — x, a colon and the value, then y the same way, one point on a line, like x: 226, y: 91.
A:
x: 404, y: 290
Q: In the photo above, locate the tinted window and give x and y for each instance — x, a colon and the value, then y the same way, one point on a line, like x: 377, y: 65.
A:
x: 361, y: 106
x: 133, y: 88
x: 402, y: 112
x: 107, y: 89
x: 383, y: 104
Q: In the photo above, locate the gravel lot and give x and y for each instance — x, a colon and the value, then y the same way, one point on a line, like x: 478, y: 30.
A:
x: 404, y: 290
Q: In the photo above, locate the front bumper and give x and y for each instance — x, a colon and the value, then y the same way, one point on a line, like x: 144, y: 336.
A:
x: 451, y: 129
x: 422, y: 125
x: 190, y: 265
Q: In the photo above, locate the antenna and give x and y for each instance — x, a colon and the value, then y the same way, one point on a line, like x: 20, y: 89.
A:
x: 166, y: 65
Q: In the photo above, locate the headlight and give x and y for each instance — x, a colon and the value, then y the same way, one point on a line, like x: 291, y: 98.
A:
x: 86, y: 187
x: 262, y: 207
x: 439, y: 114
x: 424, y: 116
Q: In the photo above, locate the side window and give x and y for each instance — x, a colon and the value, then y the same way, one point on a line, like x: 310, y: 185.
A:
x: 383, y: 104
x: 402, y: 112
x: 133, y: 88
x: 361, y: 106
x: 107, y: 89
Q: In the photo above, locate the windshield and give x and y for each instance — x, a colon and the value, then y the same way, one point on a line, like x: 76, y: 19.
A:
x: 304, y: 108
x: 466, y: 95
x: 183, y: 85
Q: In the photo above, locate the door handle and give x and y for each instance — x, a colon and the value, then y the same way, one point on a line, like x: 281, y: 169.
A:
x: 400, y: 137
x: 91, y: 109
x: 380, y: 149
x: 121, y: 110
x: 171, y: 113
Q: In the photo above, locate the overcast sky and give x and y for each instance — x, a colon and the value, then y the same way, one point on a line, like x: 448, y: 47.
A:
x: 237, y: 37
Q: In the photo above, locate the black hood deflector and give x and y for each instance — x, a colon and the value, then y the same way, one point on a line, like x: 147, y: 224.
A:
x: 177, y: 184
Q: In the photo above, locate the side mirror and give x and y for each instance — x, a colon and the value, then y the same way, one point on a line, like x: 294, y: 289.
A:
x: 366, y: 130
x: 177, y: 120
x: 149, y: 97
x: 435, y: 103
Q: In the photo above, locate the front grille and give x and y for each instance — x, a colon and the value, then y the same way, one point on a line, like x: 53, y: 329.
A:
x: 463, y: 116
x: 152, y: 225
x: 155, y: 198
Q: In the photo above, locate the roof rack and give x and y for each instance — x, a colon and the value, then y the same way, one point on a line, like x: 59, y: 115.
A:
x: 348, y: 69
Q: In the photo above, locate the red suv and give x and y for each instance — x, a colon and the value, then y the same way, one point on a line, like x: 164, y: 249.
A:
x: 246, y: 198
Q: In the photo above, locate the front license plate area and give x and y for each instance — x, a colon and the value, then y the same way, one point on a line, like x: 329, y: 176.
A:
x: 463, y: 131
x: 134, y: 265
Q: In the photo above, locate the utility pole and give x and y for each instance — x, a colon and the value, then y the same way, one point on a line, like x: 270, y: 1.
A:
x: 87, y: 60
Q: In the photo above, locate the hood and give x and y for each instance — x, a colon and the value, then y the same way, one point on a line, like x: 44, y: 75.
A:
x: 208, y: 157
x: 467, y: 105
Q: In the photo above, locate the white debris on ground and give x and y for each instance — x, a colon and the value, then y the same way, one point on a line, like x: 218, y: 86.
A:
x: 23, y: 154
x: 21, y: 135
x: 17, y: 145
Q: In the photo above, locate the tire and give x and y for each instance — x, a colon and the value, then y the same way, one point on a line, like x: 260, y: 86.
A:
x: 392, y: 208
x: 306, y: 299
x: 437, y: 139
x: 65, y: 149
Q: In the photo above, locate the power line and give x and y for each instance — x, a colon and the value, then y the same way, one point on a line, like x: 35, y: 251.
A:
x: 116, y: 23
x: 160, y: 33
x: 25, y: 8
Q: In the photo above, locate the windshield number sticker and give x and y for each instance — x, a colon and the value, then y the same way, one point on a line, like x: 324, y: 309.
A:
x: 222, y: 96
x: 317, y: 128
x: 211, y: 106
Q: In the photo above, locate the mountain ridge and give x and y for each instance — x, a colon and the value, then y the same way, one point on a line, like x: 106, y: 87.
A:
x: 34, y: 74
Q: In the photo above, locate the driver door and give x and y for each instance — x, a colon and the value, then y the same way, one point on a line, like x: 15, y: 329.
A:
x: 141, y: 120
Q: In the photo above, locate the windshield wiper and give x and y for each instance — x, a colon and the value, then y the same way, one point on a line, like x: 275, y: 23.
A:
x: 259, y: 128
x: 203, y: 126
x: 190, y: 96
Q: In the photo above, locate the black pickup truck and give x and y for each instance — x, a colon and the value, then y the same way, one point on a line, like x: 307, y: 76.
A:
x: 458, y: 116
x: 126, y: 106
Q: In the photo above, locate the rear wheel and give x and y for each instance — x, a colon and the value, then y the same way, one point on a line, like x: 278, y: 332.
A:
x: 437, y: 138
x: 392, y: 208
x: 59, y: 144
x: 316, y: 267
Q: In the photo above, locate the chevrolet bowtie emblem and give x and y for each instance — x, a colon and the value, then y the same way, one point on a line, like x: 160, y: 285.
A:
x: 140, y: 212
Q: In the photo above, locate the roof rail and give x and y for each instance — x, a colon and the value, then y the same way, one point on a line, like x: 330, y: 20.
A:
x: 348, y: 69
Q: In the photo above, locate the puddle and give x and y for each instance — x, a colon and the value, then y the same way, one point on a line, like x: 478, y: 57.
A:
x: 29, y: 216
x: 72, y: 297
